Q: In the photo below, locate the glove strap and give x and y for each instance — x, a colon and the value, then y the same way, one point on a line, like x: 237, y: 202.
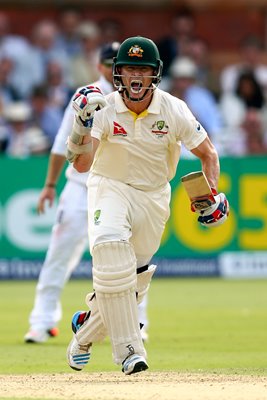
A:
x: 79, y: 148
x: 80, y: 128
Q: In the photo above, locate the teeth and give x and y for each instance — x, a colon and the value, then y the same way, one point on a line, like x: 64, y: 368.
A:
x: 136, y: 86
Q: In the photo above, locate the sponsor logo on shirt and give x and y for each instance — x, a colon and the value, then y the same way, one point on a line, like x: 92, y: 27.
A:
x: 118, y: 130
x: 160, y: 128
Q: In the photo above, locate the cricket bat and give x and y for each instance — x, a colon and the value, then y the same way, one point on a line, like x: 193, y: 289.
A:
x: 198, y: 190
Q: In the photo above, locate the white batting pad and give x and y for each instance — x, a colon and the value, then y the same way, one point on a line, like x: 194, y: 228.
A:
x: 93, y: 330
x: 114, y: 278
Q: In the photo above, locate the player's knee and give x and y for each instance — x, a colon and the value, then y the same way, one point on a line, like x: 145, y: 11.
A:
x: 114, y: 267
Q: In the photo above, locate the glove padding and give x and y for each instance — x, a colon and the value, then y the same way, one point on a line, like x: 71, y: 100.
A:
x: 216, y: 214
x: 86, y: 101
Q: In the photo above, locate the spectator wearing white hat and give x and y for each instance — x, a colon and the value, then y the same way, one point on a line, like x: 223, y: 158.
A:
x: 22, y: 139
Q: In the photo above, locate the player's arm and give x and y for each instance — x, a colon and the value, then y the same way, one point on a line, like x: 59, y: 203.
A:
x: 216, y: 213
x: 84, y: 161
x: 55, y: 166
x: 208, y: 156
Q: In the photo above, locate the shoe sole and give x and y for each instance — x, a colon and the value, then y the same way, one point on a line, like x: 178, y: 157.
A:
x: 139, y: 367
x: 75, y: 369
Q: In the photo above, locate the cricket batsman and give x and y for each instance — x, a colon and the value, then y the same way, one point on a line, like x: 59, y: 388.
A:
x: 130, y: 140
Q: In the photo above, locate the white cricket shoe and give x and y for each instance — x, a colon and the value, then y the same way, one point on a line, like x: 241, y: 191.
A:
x: 133, y: 364
x: 78, y: 355
x: 40, y: 335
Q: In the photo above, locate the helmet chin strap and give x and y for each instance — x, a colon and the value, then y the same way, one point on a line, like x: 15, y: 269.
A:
x: 124, y: 90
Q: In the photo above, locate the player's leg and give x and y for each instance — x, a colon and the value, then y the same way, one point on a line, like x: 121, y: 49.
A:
x: 67, y: 244
x: 89, y: 328
x: 115, y: 284
x: 114, y: 275
x: 153, y: 211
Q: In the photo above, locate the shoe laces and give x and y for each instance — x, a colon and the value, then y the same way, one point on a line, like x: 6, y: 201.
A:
x: 84, y: 347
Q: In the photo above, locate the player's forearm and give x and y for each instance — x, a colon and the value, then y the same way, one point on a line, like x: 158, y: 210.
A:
x: 84, y: 161
x: 211, y: 167
x: 208, y: 156
x: 55, y: 167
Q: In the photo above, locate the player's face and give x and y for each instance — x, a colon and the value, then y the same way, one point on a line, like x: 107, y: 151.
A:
x: 137, y: 79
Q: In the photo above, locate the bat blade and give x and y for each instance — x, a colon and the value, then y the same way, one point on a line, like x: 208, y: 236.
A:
x: 198, y: 190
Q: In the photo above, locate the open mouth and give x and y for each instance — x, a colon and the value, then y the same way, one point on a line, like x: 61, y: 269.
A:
x: 136, y: 86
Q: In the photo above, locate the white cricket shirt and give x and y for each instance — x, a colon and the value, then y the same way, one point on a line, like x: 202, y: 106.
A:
x: 143, y: 150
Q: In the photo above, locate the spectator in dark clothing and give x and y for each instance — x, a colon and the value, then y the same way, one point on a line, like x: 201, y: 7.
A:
x: 250, y: 91
x: 183, y: 27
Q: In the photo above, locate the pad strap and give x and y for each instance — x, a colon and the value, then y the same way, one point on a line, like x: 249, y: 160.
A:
x: 144, y: 276
x: 93, y: 330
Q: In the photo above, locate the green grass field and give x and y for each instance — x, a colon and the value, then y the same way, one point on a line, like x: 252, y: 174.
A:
x: 196, y: 325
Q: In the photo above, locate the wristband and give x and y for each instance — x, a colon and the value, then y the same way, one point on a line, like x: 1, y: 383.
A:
x: 50, y: 185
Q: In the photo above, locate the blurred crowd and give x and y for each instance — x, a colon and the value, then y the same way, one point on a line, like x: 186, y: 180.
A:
x: 38, y: 76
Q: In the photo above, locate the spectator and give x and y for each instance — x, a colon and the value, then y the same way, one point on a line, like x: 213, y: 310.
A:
x: 251, y: 52
x: 8, y: 92
x: 111, y: 30
x: 17, y: 49
x: 182, y: 31
x: 234, y: 106
x: 84, y: 66
x: 59, y: 91
x: 249, y: 90
x: 45, y: 49
x: 254, y: 133
x: 22, y: 139
x: 199, y: 51
x: 200, y: 100
x: 45, y: 116
x: 67, y: 37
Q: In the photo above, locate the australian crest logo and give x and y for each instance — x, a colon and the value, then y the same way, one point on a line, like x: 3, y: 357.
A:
x: 160, y: 128
x: 135, y: 51
x: 97, y: 217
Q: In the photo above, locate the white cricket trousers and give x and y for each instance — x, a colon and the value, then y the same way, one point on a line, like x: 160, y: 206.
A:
x: 68, y: 242
x: 117, y: 211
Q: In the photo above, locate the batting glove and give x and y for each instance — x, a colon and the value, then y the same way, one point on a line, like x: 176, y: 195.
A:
x: 85, y: 102
x: 215, y: 214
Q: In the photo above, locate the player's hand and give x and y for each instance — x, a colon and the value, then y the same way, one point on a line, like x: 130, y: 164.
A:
x: 86, y: 101
x: 215, y: 214
x: 48, y: 194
